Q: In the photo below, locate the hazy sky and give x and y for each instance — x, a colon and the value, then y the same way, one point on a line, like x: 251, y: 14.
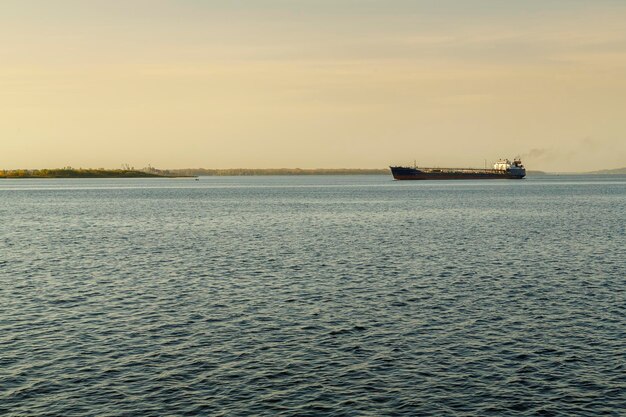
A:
x: 353, y: 83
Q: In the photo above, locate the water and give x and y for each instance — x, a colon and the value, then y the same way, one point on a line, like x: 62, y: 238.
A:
x: 343, y: 296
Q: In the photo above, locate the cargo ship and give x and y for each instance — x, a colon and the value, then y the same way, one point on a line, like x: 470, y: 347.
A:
x: 503, y: 169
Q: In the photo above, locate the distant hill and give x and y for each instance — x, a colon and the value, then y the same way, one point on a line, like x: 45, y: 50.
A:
x: 616, y: 171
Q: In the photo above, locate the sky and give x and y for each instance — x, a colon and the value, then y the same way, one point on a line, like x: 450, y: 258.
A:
x: 312, y: 84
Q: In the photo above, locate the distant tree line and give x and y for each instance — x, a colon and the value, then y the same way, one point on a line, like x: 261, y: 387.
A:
x: 270, y: 171
x: 128, y: 172
x: 69, y: 172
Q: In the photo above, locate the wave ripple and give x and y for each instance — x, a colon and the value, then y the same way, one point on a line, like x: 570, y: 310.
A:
x: 312, y: 296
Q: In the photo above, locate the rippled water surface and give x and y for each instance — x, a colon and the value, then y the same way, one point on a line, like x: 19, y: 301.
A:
x: 343, y: 296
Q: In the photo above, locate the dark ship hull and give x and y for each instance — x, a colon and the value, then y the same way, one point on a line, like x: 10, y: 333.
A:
x: 406, y: 173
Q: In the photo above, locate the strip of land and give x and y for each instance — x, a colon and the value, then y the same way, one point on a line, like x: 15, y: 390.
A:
x: 285, y: 171
x: 79, y: 173
x: 152, y: 172
x: 272, y: 171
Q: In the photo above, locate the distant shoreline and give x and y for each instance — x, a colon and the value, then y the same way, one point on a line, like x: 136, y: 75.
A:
x: 81, y: 173
x: 203, y: 172
x: 330, y: 171
x: 233, y: 172
x: 178, y: 173
x: 196, y: 172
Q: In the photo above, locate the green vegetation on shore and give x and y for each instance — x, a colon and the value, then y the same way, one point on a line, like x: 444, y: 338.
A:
x: 69, y: 172
x: 75, y: 173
